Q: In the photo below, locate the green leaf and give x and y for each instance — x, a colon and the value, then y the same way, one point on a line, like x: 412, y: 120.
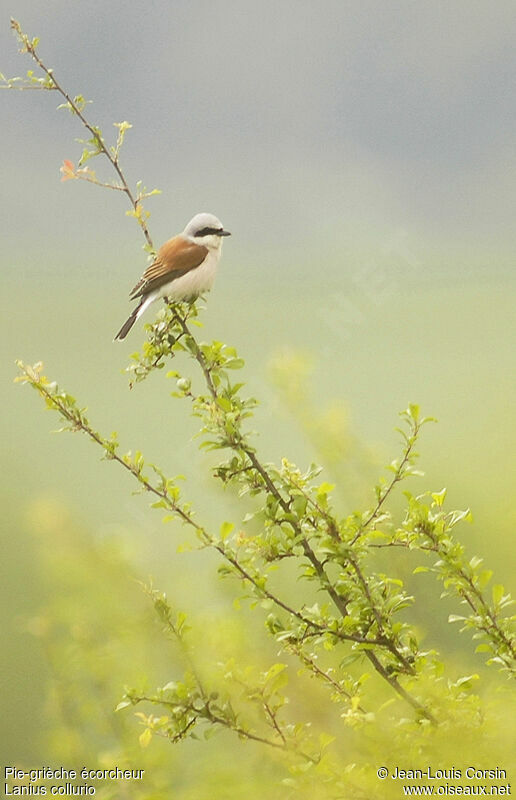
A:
x: 413, y: 411
x: 326, y: 739
x: 299, y: 505
x: 145, y: 737
x: 467, y: 681
x: 234, y: 363
x: 439, y: 497
x: 497, y: 593
x: 484, y: 578
x: 225, y: 530
x: 224, y: 403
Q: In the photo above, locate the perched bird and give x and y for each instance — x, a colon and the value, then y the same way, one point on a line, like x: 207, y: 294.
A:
x: 184, y: 267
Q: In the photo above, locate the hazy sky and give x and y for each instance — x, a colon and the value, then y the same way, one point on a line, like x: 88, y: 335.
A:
x: 301, y: 124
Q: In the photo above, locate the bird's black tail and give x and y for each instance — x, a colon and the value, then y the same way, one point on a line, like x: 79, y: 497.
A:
x: 128, y: 324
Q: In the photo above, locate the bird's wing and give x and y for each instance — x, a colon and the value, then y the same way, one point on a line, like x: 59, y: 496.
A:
x: 175, y: 258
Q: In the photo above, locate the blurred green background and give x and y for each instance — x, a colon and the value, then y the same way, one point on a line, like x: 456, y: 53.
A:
x: 362, y: 154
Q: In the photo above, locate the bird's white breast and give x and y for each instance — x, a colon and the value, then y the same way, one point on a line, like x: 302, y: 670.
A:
x: 195, y: 282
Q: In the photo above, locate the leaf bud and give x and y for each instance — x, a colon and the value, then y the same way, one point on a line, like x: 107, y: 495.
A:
x: 184, y: 384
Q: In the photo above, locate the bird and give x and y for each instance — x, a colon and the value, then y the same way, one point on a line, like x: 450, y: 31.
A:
x: 184, y: 267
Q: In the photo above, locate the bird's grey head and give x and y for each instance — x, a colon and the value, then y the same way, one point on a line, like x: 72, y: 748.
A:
x: 205, y: 229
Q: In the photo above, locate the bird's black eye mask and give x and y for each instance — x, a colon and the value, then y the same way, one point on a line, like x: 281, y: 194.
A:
x: 212, y: 232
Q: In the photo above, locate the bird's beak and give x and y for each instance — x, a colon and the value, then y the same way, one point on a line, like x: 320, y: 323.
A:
x: 224, y: 233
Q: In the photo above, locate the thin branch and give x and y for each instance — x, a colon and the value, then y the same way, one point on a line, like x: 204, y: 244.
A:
x: 477, y: 603
x: 101, y: 183
x: 94, y: 132
x: 180, y: 639
x: 26, y: 88
x: 197, y: 352
x: 312, y: 665
x: 393, y: 681
x: 398, y: 476
x: 274, y: 722
x: 206, y: 713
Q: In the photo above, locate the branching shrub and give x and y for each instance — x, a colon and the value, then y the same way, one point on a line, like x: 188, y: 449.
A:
x: 352, y: 621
